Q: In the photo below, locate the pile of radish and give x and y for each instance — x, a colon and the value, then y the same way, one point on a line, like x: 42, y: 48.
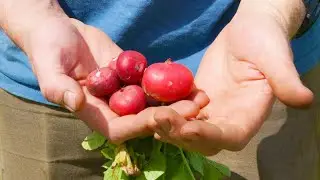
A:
x: 131, y: 85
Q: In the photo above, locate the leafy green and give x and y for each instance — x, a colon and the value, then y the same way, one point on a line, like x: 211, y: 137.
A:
x: 224, y: 170
x: 186, y: 164
x: 150, y: 159
x: 173, y: 159
x: 157, y: 164
x: 182, y: 173
x: 108, y: 153
x: 215, y: 171
x: 93, y: 141
x: 171, y: 150
x: 196, y: 161
x: 107, y: 165
x: 107, y: 144
x: 115, y: 174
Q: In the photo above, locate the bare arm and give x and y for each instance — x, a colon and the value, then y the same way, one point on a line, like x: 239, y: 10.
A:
x: 289, y: 13
x: 19, y: 18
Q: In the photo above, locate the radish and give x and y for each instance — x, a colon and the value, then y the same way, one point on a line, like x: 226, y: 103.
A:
x: 130, y: 66
x: 128, y: 100
x: 168, y: 81
x: 102, y: 82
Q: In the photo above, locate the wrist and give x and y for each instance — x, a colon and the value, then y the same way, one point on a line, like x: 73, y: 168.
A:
x: 288, y: 14
x: 19, y: 19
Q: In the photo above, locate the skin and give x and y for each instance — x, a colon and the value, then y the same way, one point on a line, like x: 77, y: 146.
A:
x: 250, y: 60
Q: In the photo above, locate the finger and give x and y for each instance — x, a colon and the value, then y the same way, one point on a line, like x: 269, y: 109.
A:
x: 222, y: 136
x: 167, y: 119
x: 277, y: 65
x: 186, y: 108
x: 61, y: 89
x: 168, y: 123
x: 199, y: 97
x: 197, y: 146
x: 96, y: 113
x: 130, y: 126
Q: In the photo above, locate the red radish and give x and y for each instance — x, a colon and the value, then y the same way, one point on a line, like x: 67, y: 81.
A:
x: 168, y: 81
x: 102, y: 82
x: 128, y: 100
x: 112, y: 64
x: 130, y: 66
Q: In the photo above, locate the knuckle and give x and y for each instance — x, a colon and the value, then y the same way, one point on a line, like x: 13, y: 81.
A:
x: 152, y: 124
x: 163, y: 114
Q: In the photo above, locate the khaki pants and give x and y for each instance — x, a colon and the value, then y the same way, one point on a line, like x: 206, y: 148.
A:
x: 43, y: 143
x: 40, y: 143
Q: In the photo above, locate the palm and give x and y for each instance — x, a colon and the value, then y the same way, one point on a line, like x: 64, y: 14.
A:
x: 240, y: 95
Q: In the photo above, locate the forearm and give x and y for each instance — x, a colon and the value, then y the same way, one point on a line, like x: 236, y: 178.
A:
x: 289, y: 13
x: 19, y: 18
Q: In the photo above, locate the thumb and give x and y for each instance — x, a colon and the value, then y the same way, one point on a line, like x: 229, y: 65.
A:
x: 278, y: 67
x: 61, y: 89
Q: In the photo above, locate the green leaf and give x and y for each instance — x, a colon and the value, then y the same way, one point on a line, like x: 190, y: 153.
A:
x: 172, y: 150
x: 110, y: 146
x: 196, y: 161
x: 186, y: 164
x: 107, y: 164
x: 108, y: 153
x: 141, y: 146
x: 93, y: 141
x: 215, y: 171
x: 156, y: 166
x: 115, y: 174
x: 111, y: 174
x: 182, y: 173
x: 173, y: 159
x: 224, y: 170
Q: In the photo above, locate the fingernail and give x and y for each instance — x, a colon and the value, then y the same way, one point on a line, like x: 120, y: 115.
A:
x: 69, y: 100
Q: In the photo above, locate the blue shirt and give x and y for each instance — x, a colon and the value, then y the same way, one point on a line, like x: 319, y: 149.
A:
x: 180, y: 29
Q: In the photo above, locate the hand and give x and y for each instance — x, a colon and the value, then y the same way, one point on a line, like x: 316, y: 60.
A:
x: 63, y: 52
x: 248, y: 63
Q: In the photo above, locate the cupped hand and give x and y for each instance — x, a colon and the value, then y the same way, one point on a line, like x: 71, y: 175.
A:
x: 63, y: 52
x: 247, y: 66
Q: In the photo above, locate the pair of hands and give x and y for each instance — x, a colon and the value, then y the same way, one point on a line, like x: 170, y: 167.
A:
x: 242, y: 70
